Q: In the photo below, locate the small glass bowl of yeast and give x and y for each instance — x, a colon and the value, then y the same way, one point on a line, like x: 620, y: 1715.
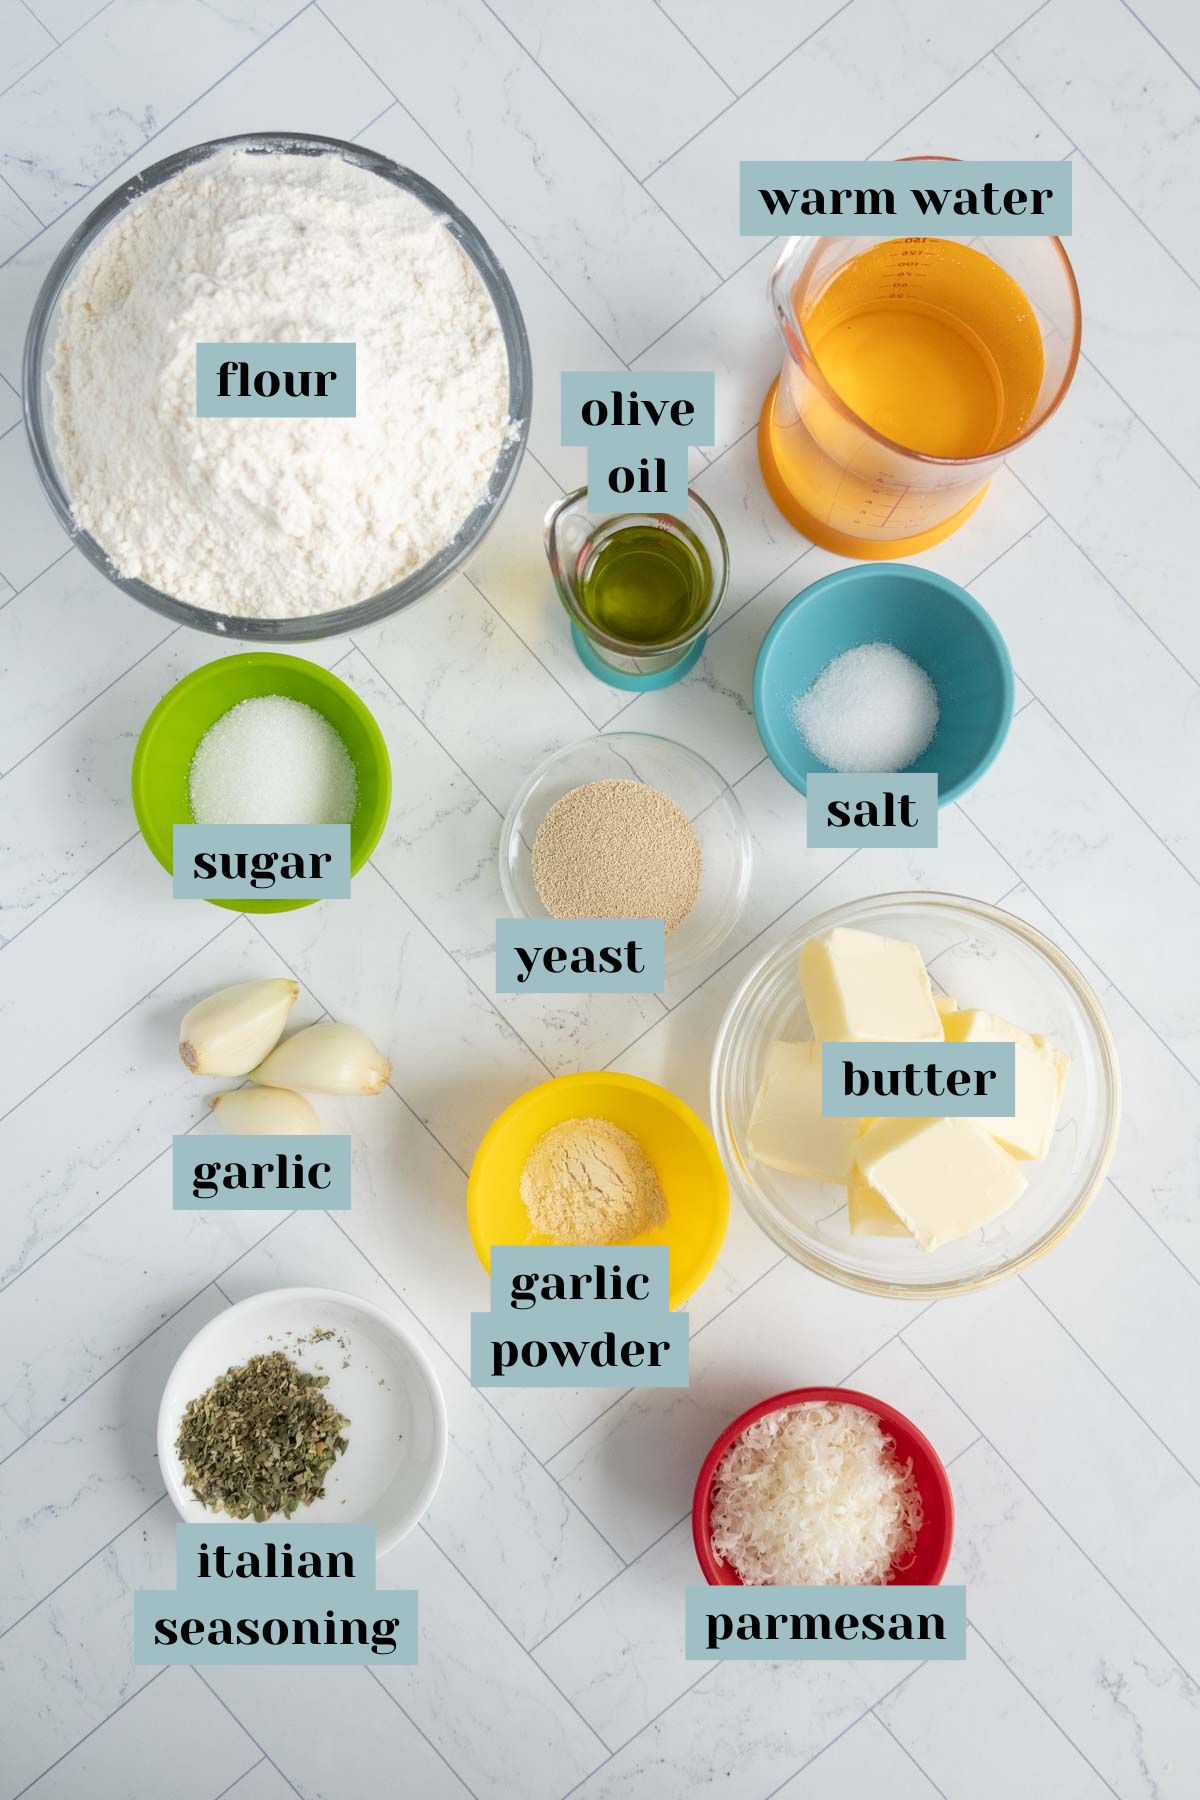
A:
x: 684, y: 777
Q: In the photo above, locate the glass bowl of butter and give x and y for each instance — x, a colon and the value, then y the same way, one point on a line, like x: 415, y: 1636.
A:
x: 915, y: 1206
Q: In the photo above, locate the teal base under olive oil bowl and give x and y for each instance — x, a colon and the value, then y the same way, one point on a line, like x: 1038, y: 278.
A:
x: 931, y: 620
x: 174, y: 729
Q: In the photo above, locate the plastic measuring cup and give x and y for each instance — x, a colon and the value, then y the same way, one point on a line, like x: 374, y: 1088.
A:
x: 912, y: 366
x: 573, y: 536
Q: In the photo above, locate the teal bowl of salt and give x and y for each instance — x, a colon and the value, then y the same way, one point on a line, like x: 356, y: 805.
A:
x: 871, y: 704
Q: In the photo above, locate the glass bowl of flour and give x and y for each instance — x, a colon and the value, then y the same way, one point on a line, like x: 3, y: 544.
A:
x: 277, y: 528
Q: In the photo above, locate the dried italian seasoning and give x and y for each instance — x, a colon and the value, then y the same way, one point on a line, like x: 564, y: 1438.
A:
x: 261, y: 1440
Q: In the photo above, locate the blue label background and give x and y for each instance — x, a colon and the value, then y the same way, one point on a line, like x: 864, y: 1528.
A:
x: 999, y: 1103
x: 579, y: 1320
x: 949, y: 1602
x: 224, y: 1147
x: 621, y: 446
x: 823, y: 788
x: 341, y: 395
x: 900, y: 178
x: 572, y: 934
x: 234, y: 1598
x: 188, y: 841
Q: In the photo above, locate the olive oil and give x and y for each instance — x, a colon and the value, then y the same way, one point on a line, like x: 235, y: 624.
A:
x: 646, y: 582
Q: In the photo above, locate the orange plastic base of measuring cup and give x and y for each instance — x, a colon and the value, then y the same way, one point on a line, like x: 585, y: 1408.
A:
x: 840, y: 542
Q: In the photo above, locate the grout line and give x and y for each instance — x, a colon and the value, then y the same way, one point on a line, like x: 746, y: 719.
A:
x: 490, y: 998
x: 384, y: 1688
x: 1140, y: 1215
x: 225, y: 1791
x: 20, y: 198
x: 79, y: 1568
x: 667, y: 218
x: 1063, y: 926
x: 757, y: 82
x: 141, y: 999
x: 734, y: 954
x: 393, y: 689
x: 901, y: 1745
x: 33, y: 1262
x: 1104, y: 576
x: 509, y: 1632
x: 423, y: 1123
x: 50, y: 565
x: 633, y: 1561
x: 221, y: 1290
x: 30, y: 923
x: 837, y: 1738
x: 1116, y: 192
x: 136, y: 1175
x: 154, y: 135
x: 613, y: 1753
x: 1039, y: 1501
x: 626, y: 1392
x: 616, y: 1575
x: 381, y: 114
x: 643, y: 1728
x: 482, y: 1392
x: 1108, y: 781
x: 529, y: 649
x: 50, y: 34
x: 1138, y: 419
x: 262, y: 1756
x: 728, y: 275
x: 120, y: 1707
x: 1113, y: 1384
x: 461, y: 173
x: 1010, y: 1665
x: 1169, y: 54
x: 672, y: 21
x: 134, y: 1348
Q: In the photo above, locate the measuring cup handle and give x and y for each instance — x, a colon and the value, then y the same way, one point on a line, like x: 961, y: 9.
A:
x: 567, y: 528
x: 780, y: 285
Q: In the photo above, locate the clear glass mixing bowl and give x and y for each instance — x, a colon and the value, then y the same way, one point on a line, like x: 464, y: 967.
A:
x: 39, y: 350
x: 984, y: 958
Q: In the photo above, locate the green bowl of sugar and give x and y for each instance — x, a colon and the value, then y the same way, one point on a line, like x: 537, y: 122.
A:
x: 171, y: 736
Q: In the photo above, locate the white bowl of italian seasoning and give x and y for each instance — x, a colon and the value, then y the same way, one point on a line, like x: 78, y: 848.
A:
x: 628, y: 825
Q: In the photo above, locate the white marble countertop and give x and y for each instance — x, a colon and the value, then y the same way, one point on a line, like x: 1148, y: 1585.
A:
x: 593, y: 145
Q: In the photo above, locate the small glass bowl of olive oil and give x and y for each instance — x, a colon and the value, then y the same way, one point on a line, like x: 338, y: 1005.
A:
x: 641, y: 589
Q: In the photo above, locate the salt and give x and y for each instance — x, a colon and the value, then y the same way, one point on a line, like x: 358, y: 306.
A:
x: 870, y: 709
x: 272, y: 761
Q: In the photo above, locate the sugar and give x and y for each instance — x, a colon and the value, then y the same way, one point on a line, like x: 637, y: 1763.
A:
x: 272, y: 761
x: 870, y: 709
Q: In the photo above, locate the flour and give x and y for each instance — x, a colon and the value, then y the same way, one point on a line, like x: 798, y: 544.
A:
x: 277, y: 518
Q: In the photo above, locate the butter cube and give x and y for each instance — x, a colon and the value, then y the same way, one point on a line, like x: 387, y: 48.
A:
x: 945, y: 1005
x: 943, y: 1177
x: 1041, y: 1076
x: 787, y: 1131
x: 974, y: 1026
x: 861, y: 987
x: 870, y: 1214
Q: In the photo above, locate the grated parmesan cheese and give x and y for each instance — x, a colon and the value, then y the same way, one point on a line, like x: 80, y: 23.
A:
x: 815, y: 1495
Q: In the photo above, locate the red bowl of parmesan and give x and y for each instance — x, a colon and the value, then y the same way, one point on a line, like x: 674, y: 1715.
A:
x: 822, y: 1487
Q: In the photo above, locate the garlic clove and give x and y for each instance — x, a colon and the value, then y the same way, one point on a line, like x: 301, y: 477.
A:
x: 268, y: 1111
x: 327, y: 1059
x: 234, y: 1029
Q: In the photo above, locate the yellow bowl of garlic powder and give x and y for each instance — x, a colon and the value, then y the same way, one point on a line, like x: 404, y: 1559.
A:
x: 678, y: 1145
